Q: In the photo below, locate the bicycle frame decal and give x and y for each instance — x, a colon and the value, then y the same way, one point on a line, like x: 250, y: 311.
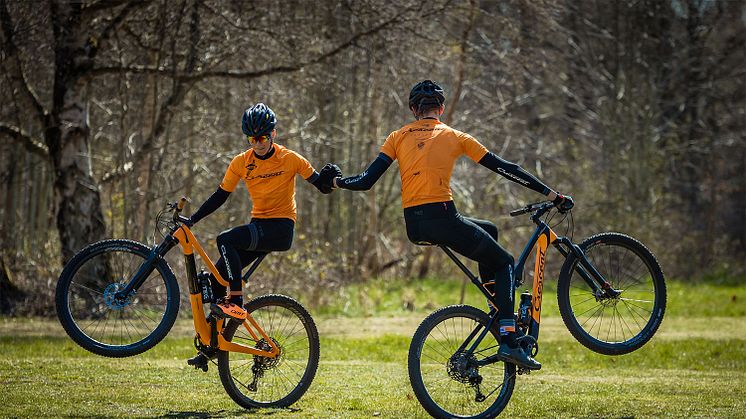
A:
x: 546, y: 238
x: 189, y: 243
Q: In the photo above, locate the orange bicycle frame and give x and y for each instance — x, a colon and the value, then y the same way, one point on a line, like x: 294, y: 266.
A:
x: 546, y: 238
x: 203, y: 331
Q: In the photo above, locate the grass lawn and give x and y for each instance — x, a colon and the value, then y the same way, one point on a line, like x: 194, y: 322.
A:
x: 694, y: 367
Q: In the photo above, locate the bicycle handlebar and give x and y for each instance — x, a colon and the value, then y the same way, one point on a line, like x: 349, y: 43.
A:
x: 178, y: 207
x: 535, y: 207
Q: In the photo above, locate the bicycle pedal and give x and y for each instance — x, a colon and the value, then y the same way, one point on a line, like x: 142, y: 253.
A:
x: 523, y: 371
x: 199, y: 362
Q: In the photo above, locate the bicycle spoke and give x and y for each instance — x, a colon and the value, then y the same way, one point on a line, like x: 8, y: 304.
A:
x: 438, y: 350
x: 609, y: 322
x: 267, y: 380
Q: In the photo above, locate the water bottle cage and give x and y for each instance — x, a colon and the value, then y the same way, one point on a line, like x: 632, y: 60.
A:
x: 203, y: 279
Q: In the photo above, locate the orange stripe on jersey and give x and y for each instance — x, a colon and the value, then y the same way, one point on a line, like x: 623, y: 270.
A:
x: 271, y: 182
x: 426, y: 150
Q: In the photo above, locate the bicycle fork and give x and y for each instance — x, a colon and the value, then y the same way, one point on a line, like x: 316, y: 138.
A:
x: 147, y: 267
x: 592, y: 277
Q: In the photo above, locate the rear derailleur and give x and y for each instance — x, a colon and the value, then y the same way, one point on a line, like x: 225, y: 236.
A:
x: 263, y: 363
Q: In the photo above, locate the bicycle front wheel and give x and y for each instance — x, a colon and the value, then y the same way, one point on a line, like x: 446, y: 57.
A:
x: 257, y: 381
x: 99, y: 322
x: 613, y: 325
x: 447, y: 382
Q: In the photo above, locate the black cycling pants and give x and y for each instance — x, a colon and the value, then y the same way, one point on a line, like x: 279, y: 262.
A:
x: 239, y: 246
x: 440, y: 223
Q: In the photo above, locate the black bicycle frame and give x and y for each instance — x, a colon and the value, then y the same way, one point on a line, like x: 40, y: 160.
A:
x: 565, y: 246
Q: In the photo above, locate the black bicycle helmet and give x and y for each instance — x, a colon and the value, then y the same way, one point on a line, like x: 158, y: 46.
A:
x: 426, y: 95
x: 258, y: 120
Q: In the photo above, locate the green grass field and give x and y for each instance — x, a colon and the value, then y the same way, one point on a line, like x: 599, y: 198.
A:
x: 694, y: 367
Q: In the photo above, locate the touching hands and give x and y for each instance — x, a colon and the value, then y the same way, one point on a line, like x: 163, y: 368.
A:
x: 326, y: 177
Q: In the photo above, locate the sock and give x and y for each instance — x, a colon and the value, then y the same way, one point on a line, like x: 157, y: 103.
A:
x: 507, y: 332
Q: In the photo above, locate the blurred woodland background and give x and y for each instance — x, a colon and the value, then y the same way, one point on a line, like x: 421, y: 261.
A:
x: 111, y: 108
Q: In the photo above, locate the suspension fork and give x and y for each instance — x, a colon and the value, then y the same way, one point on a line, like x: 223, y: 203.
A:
x: 585, y: 269
x: 147, y: 267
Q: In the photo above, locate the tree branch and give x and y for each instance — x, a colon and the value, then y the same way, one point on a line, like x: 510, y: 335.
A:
x: 88, y: 12
x: 106, y: 32
x: 11, y: 50
x: 248, y: 75
x: 31, y: 145
x: 190, y: 78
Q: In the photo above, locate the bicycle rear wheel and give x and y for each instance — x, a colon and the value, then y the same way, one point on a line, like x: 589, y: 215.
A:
x: 257, y: 381
x: 95, y: 319
x: 446, y: 381
x: 613, y: 325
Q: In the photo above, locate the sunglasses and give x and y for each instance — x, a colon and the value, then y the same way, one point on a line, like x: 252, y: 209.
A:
x: 261, y: 139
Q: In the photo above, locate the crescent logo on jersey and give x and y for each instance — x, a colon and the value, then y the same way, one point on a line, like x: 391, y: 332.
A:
x: 250, y: 167
x: 420, y: 145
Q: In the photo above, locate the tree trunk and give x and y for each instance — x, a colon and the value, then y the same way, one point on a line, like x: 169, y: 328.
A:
x: 9, y: 293
x: 77, y: 200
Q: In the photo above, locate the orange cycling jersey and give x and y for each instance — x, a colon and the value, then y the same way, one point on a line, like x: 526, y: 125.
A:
x: 271, y: 182
x: 426, y: 150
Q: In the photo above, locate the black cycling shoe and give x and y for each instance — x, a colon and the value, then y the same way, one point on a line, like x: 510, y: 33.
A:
x: 517, y: 356
x: 199, y: 361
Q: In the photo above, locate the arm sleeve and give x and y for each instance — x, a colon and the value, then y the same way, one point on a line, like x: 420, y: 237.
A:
x: 369, y: 177
x: 513, y: 172
x: 214, y: 202
x: 315, y: 180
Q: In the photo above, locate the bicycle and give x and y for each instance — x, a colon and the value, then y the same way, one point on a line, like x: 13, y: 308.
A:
x: 119, y: 298
x: 453, y: 364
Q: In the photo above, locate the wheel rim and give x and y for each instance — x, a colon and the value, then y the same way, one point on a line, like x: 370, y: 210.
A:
x: 451, y: 379
x: 103, y: 317
x: 269, y: 380
x: 616, y: 320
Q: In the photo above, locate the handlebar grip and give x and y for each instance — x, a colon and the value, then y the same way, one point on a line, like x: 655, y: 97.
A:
x: 180, y: 205
x: 518, y: 212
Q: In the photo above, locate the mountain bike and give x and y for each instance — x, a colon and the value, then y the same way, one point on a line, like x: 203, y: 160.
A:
x: 119, y: 298
x: 611, y: 294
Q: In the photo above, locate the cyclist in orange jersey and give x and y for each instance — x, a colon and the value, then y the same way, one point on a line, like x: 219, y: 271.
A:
x: 268, y: 170
x: 427, y: 149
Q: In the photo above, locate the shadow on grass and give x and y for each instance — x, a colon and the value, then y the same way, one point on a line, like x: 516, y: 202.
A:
x: 229, y: 413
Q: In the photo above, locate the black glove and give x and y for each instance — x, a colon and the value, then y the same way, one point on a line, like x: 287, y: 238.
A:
x: 563, y: 203
x: 326, y: 177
